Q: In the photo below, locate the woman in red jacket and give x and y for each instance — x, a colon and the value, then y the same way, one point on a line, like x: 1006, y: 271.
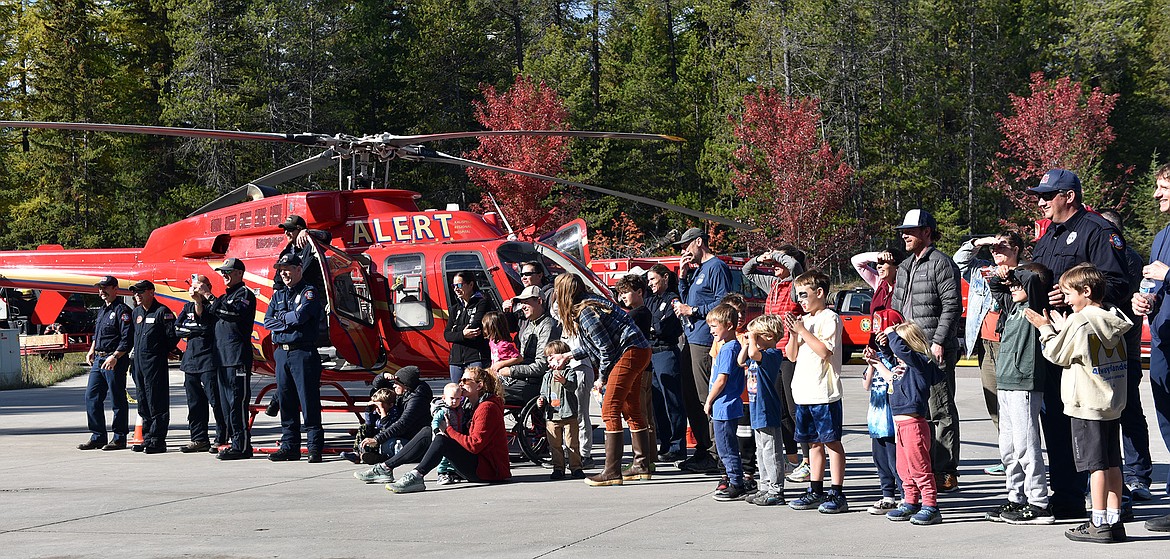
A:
x: 480, y: 454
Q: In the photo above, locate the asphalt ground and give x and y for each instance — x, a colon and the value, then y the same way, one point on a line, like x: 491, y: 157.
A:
x: 56, y: 501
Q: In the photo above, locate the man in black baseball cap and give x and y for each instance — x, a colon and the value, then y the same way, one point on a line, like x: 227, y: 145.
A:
x: 1075, y: 236
x: 154, y: 338
x: 113, y: 337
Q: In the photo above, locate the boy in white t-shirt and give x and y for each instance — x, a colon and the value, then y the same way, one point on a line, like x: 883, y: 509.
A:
x: 815, y: 340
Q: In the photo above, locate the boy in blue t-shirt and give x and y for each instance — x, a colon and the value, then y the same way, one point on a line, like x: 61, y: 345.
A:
x: 766, y: 405
x: 723, y: 403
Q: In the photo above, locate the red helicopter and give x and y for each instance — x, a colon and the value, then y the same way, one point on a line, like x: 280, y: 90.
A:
x: 387, y: 272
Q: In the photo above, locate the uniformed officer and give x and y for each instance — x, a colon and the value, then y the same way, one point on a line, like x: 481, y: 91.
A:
x: 108, y: 357
x: 200, y: 366
x: 235, y: 312
x: 1075, y: 236
x: 300, y: 239
x: 293, y: 317
x: 154, y: 338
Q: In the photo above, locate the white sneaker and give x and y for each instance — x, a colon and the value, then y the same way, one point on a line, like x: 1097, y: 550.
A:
x: 800, y: 474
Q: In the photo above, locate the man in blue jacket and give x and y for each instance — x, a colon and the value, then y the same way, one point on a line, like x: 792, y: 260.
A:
x: 1159, y: 314
x: 703, y: 280
x: 293, y: 317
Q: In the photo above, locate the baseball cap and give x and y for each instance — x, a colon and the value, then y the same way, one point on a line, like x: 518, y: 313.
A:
x: 230, y: 264
x: 530, y: 292
x: 918, y: 218
x: 1057, y: 180
x: 108, y: 281
x: 293, y: 222
x: 288, y: 259
x: 690, y: 235
x: 144, y: 285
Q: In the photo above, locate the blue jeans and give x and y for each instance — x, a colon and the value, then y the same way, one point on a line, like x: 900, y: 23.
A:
x: 670, y: 414
x: 727, y: 445
x: 100, y: 382
x: 1160, y: 386
x: 1135, y: 432
x: 457, y: 370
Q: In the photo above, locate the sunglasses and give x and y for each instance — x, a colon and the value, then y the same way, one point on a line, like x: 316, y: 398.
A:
x: 1015, y: 286
x: 466, y: 380
x: 528, y: 274
x: 886, y: 263
x: 1048, y: 196
x: 457, y: 285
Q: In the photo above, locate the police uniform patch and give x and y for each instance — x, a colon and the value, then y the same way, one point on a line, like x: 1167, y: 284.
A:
x: 1115, y: 240
x: 1072, y: 237
x: 139, y: 320
x: 125, y: 317
x: 309, y: 294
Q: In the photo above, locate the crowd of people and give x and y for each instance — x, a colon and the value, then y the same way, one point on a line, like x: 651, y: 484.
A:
x: 1054, y: 327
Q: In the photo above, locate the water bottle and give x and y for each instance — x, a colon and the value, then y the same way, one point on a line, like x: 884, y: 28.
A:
x: 1146, y: 288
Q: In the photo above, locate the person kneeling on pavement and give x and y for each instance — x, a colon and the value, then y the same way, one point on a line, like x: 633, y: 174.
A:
x: 480, y: 454
x: 411, y: 409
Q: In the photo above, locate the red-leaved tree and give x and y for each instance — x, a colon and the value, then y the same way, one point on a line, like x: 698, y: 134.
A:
x: 523, y: 200
x: 794, y: 185
x: 1057, y: 126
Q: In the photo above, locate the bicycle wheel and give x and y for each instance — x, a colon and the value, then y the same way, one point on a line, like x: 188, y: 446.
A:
x: 530, y: 433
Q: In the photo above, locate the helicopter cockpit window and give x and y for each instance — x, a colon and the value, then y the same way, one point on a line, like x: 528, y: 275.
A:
x: 746, y: 288
x: 406, y: 275
x: 513, y: 255
x: 469, y: 262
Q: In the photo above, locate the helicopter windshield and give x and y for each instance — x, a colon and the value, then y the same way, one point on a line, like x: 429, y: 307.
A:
x: 514, y: 254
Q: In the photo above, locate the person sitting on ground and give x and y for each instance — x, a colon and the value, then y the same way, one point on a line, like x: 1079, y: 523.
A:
x: 414, y: 399
x: 448, y: 409
x: 381, y: 415
x: 558, y: 399
x: 480, y: 454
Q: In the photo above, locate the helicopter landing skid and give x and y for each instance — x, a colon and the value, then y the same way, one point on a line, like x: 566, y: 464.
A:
x: 341, y: 402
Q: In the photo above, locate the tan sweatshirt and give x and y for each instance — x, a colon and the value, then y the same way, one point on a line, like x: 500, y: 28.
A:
x: 1091, y: 349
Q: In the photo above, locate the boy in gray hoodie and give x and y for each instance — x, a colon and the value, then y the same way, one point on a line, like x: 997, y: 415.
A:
x: 1020, y: 371
x: 1088, y: 343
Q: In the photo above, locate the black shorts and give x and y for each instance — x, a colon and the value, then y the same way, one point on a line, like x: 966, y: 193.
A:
x: 1096, y: 444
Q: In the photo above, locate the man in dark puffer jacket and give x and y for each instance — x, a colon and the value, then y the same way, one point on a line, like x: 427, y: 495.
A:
x: 927, y: 291
x: 414, y: 405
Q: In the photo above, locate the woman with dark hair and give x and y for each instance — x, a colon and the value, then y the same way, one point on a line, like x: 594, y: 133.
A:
x: 988, y: 304
x: 608, y: 336
x: 469, y: 347
x: 478, y: 453
x: 670, y: 414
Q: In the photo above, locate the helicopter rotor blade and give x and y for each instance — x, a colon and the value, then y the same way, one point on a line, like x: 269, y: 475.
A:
x: 421, y: 153
x: 298, y: 169
x: 303, y: 139
x: 420, y: 138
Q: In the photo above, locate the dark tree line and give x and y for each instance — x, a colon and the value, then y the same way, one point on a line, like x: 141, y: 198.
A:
x: 909, y: 93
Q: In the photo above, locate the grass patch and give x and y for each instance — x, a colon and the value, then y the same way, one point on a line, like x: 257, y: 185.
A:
x: 38, y: 371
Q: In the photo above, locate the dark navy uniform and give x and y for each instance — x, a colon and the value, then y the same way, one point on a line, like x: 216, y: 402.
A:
x: 235, y: 313
x: 200, y: 368
x: 1084, y: 237
x: 154, y: 338
x: 113, y: 332
x: 293, y: 317
x: 670, y: 413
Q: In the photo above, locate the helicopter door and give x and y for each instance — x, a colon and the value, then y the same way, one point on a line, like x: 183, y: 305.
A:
x: 572, y: 240
x: 351, y: 309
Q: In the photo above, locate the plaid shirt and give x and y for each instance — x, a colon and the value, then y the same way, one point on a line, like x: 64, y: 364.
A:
x: 605, y: 336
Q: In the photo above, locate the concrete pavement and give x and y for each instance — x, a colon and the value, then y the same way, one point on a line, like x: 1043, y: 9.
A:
x: 56, y: 501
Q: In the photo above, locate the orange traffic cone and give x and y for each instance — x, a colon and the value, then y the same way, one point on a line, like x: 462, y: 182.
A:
x: 137, y: 438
